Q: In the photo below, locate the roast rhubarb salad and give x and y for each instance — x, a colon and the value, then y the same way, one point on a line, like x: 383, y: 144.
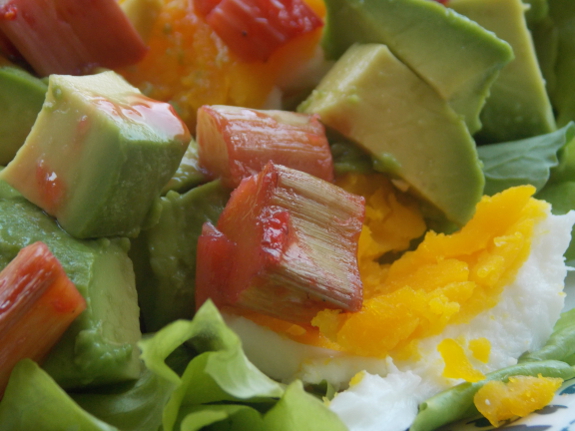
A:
x: 284, y: 215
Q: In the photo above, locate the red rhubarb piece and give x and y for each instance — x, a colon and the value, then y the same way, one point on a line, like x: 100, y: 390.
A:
x: 37, y: 304
x: 288, y: 243
x: 235, y: 143
x: 70, y: 36
x: 254, y: 29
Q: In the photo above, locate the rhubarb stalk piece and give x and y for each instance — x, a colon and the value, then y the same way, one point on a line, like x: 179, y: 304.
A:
x: 37, y: 304
x: 285, y: 245
x: 254, y: 29
x: 69, y: 36
x: 235, y: 143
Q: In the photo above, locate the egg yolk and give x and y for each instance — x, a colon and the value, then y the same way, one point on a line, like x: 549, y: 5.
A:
x: 457, y: 365
x: 522, y: 395
x: 448, y: 279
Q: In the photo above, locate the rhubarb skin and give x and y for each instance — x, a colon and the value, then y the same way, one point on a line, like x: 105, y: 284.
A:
x: 255, y: 29
x: 37, y: 304
x: 288, y: 241
x: 71, y: 37
x: 235, y: 143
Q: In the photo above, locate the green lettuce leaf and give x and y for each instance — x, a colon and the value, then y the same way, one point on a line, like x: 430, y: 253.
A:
x: 34, y: 401
x: 527, y: 161
x: 196, y: 376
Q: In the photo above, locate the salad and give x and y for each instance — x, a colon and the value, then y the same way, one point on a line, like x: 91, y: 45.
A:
x: 284, y: 215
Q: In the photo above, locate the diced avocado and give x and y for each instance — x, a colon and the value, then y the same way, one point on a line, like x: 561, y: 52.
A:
x: 100, y: 345
x: 98, y: 155
x: 563, y: 14
x: 518, y: 106
x: 372, y: 98
x: 189, y: 173
x: 451, y: 53
x: 21, y: 98
x: 165, y: 255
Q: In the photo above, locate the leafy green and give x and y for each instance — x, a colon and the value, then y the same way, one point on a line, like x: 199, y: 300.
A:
x: 456, y: 403
x: 561, y: 344
x: 135, y: 406
x: 527, y: 161
x: 221, y: 375
x: 34, y: 401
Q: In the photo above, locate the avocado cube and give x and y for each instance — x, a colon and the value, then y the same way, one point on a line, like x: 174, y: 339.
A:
x: 518, y: 106
x: 372, y: 98
x: 98, y: 155
x: 456, y: 56
x: 164, y: 256
x: 21, y: 99
x: 99, y: 347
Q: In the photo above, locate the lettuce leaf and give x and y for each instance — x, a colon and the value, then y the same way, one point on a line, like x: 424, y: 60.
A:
x: 527, y: 161
x: 217, y: 388
x: 34, y: 401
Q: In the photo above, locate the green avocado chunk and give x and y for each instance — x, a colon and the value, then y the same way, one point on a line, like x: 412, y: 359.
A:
x: 563, y: 14
x: 518, y: 106
x: 373, y: 99
x: 189, y: 173
x: 21, y: 98
x: 165, y: 255
x: 98, y: 155
x: 453, y: 54
x: 100, y: 345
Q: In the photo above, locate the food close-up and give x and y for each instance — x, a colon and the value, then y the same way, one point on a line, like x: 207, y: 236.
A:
x: 319, y: 215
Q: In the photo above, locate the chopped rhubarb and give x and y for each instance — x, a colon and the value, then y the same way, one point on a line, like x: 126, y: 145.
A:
x: 37, y: 304
x: 69, y: 36
x: 288, y: 243
x: 235, y: 143
x: 254, y: 29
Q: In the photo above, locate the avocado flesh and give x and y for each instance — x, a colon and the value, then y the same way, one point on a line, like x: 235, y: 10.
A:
x: 518, y: 106
x: 563, y: 14
x: 21, y: 99
x: 189, y: 174
x: 100, y: 345
x: 453, y: 54
x: 165, y: 255
x: 370, y: 97
x: 106, y: 151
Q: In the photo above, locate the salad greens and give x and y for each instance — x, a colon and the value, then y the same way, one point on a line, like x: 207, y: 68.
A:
x: 526, y: 161
x: 218, y: 386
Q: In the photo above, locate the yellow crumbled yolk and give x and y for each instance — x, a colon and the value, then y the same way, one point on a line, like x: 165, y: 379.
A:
x: 522, y: 395
x: 448, y: 279
x: 392, y: 221
x: 457, y: 365
x: 356, y: 380
x: 481, y: 349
